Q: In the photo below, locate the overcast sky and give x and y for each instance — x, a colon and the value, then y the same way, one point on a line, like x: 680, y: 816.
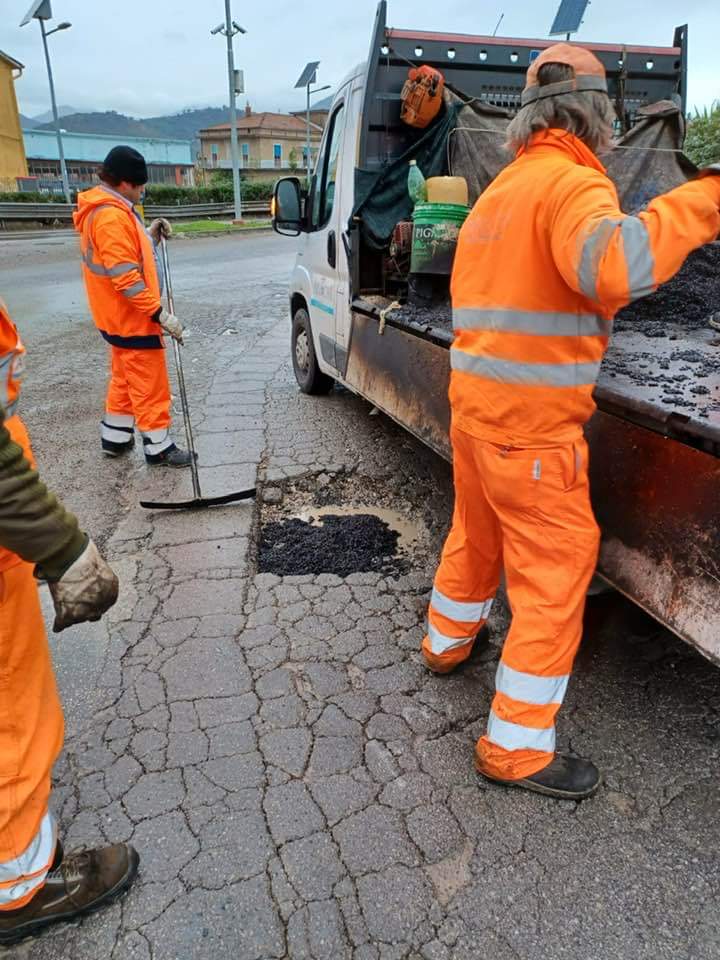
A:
x: 150, y: 57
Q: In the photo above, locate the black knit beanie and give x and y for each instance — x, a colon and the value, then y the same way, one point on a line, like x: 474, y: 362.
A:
x: 127, y: 164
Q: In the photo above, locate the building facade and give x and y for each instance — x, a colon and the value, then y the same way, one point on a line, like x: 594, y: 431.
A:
x: 270, y: 145
x: 169, y: 161
x: 12, y: 151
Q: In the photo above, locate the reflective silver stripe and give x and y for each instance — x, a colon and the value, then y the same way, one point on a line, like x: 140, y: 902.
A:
x: 527, y: 374
x: 116, y: 435
x: 119, y: 420
x: 98, y: 268
x: 592, y: 253
x: 34, y: 858
x: 639, y: 258
x: 459, y: 610
x: 120, y: 268
x: 513, y: 736
x: 532, y: 321
x: 155, y: 441
x: 134, y: 289
x: 6, y: 362
x: 530, y: 688
x: 439, y: 643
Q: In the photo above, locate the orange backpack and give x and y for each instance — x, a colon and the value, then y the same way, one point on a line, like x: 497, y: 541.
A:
x: 421, y: 96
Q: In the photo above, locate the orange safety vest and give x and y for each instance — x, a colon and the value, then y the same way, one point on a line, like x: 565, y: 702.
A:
x: 119, y: 271
x: 544, y: 261
x: 12, y: 360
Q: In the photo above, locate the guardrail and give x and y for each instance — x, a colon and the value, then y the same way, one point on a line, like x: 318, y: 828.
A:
x: 50, y: 212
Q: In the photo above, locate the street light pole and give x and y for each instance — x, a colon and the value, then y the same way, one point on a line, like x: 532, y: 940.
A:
x: 56, y: 118
x: 229, y: 33
x: 308, y: 162
x: 307, y: 130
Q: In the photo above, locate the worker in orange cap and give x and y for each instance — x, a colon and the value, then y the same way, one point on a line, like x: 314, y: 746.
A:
x: 544, y: 261
x: 121, y: 280
x: 39, y: 883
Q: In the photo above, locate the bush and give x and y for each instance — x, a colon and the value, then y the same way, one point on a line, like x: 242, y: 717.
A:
x: 166, y: 195
x: 9, y: 196
x: 702, y: 143
x: 219, y: 192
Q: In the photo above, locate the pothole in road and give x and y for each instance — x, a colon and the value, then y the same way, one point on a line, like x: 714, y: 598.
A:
x: 316, y: 530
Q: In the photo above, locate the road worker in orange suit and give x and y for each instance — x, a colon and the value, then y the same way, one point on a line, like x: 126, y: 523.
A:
x: 123, y: 289
x: 39, y: 884
x: 544, y: 261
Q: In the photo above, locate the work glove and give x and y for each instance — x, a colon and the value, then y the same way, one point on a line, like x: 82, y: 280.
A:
x: 85, y: 591
x: 160, y: 228
x: 170, y: 324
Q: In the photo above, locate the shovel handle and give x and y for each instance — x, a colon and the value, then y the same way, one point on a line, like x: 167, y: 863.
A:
x: 180, y: 373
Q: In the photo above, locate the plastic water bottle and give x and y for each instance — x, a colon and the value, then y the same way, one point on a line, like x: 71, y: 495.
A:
x: 417, y: 188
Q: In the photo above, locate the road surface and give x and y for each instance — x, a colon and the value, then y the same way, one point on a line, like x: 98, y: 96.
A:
x: 296, y: 783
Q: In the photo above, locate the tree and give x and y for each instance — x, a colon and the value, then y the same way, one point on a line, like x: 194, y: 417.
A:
x: 293, y: 159
x: 702, y: 143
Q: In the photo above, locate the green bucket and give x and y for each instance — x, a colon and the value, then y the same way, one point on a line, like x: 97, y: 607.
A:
x: 435, y: 232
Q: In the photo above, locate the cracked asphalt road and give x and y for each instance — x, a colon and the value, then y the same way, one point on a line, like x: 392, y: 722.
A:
x: 297, y: 784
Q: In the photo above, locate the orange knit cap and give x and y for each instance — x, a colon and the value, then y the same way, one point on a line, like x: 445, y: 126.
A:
x: 589, y: 73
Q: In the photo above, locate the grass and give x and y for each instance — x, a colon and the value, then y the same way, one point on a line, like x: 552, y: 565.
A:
x: 198, y: 227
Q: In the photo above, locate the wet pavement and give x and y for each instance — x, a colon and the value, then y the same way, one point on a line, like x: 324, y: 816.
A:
x: 297, y: 784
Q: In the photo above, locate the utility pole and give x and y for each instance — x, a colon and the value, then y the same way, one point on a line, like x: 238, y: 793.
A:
x: 229, y: 29
x: 40, y: 10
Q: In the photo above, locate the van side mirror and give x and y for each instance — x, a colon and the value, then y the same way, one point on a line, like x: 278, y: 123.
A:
x: 287, y: 207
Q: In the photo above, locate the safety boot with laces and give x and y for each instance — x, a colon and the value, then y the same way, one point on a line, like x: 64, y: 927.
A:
x: 172, y: 457
x: 82, y: 883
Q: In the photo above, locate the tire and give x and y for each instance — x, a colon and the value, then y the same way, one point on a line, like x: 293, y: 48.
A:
x: 308, y: 374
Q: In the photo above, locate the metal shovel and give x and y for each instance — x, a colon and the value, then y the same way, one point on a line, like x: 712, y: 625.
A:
x: 198, y: 502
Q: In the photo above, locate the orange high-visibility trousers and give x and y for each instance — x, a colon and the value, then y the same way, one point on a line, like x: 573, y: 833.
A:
x: 138, y: 393
x: 527, y: 511
x: 31, y: 737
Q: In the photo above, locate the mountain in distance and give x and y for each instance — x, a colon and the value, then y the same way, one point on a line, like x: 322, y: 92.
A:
x: 179, y: 126
x: 28, y: 123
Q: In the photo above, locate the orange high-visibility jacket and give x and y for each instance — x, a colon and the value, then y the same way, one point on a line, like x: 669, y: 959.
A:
x: 119, y: 270
x: 544, y: 261
x: 12, y: 358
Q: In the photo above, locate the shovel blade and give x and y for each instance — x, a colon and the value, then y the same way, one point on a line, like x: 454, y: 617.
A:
x: 200, y: 503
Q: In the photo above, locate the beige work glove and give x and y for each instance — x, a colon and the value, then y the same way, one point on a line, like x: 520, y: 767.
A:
x: 170, y: 324
x: 160, y: 228
x: 85, y: 591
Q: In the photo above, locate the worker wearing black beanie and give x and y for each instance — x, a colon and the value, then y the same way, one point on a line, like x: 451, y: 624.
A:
x: 123, y: 288
x: 124, y: 164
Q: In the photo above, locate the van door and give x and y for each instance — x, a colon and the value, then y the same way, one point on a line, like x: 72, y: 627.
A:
x: 322, y: 250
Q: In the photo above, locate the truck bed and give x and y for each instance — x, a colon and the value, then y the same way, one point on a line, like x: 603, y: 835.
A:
x: 663, y: 376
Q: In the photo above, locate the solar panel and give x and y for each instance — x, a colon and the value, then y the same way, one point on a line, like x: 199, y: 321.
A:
x: 569, y: 16
x: 40, y: 10
x: 309, y: 74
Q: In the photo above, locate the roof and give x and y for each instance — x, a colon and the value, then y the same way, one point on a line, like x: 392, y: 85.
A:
x: 11, y: 60
x: 93, y: 147
x: 262, y: 121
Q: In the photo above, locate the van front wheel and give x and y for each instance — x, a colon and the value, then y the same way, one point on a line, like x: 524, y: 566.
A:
x: 308, y: 374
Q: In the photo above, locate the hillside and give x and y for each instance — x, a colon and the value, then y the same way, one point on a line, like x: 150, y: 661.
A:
x: 180, y: 126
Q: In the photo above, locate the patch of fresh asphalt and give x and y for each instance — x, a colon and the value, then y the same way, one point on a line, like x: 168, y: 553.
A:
x: 297, y: 784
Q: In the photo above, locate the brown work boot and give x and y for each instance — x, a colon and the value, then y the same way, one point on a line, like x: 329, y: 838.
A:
x: 82, y: 883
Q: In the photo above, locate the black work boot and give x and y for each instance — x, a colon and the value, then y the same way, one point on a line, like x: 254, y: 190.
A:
x: 82, y: 883
x: 111, y: 449
x: 172, y: 457
x: 566, y: 778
